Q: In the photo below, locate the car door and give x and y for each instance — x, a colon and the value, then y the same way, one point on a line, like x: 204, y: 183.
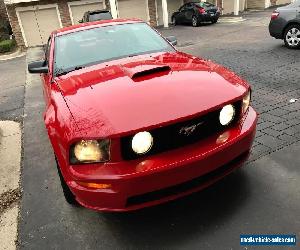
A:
x: 188, y: 12
x: 180, y: 15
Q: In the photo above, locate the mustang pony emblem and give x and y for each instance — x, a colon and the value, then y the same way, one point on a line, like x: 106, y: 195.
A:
x: 188, y: 130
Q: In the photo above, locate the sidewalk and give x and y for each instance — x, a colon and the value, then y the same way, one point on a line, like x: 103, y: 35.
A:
x: 10, y: 157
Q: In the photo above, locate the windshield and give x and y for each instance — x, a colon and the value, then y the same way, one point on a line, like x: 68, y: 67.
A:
x: 88, y: 47
x: 100, y: 16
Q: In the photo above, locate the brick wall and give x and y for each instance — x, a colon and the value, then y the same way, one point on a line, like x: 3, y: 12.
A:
x: 282, y: 2
x: 152, y: 12
x: 3, y: 13
x: 62, y: 6
x: 219, y: 3
x: 15, y: 25
x: 64, y: 13
x: 107, y: 4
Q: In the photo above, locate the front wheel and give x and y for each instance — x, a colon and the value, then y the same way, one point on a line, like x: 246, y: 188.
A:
x: 69, y: 196
x: 292, y: 36
x: 195, y: 21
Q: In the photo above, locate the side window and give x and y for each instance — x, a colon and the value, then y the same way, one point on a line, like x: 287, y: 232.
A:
x: 188, y: 6
x: 47, y: 51
x: 182, y: 8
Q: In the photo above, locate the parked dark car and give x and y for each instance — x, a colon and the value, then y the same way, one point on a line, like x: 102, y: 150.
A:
x: 285, y: 24
x: 196, y: 12
x: 96, y: 15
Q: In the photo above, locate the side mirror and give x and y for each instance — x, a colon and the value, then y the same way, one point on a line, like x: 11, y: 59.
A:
x: 172, y: 40
x: 38, y: 67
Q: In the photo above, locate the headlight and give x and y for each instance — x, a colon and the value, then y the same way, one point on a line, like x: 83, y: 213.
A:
x: 227, y: 114
x: 246, y: 102
x: 89, y: 151
x: 142, y: 142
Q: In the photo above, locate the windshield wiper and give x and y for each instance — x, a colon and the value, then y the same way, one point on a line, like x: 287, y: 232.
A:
x: 61, y: 71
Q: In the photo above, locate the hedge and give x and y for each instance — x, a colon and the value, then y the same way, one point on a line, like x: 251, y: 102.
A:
x: 7, y: 45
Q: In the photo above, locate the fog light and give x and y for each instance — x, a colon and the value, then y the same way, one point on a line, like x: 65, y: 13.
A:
x: 227, y: 114
x: 142, y: 142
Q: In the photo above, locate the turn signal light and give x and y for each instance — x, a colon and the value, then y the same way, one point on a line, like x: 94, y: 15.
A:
x: 94, y: 185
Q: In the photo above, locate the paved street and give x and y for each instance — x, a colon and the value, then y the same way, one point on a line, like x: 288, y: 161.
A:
x: 262, y: 197
x: 12, y: 83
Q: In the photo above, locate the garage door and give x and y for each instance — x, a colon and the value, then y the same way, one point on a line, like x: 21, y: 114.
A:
x: 37, y: 23
x: 173, y: 5
x: 228, y: 7
x: 78, y: 9
x: 133, y: 9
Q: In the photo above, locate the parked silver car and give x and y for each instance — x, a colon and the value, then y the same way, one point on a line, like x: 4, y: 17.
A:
x: 285, y: 24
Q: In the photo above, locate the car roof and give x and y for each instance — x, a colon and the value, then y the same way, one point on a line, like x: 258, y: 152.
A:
x: 96, y: 24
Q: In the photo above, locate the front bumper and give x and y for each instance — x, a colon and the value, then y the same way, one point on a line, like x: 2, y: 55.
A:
x: 159, y: 178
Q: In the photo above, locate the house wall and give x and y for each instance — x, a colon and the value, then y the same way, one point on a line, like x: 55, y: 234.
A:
x: 258, y: 4
x: 11, y: 10
x: 152, y: 12
x: 242, y: 5
x: 228, y: 6
x: 279, y: 2
x: 64, y: 15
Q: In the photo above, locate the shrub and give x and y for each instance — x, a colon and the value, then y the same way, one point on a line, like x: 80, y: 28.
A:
x: 7, y: 45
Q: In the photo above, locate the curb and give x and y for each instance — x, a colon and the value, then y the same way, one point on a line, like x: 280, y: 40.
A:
x: 13, y: 55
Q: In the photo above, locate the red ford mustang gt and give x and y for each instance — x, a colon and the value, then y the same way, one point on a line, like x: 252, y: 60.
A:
x: 133, y: 122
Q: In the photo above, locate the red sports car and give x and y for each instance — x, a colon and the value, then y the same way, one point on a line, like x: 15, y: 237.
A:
x: 133, y: 122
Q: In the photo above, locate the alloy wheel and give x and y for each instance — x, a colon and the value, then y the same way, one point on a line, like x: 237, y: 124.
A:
x: 293, y: 37
x: 194, y: 21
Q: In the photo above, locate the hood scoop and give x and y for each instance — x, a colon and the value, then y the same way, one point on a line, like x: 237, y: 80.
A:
x: 145, y: 72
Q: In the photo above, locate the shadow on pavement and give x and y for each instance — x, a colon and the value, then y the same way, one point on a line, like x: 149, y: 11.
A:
x: 192, y: 216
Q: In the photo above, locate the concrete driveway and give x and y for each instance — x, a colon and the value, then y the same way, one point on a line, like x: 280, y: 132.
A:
x: 263, y: 197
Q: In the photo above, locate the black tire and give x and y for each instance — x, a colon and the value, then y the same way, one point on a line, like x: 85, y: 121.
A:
x: 69, y: 196
x: 291, y: 36
x: 214, y: 20
x: 195, y: 21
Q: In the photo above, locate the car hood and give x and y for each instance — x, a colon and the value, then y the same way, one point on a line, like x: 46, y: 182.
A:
x: 138, y: 93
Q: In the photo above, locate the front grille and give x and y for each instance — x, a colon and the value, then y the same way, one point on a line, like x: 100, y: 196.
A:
x: 175, y: 136
x: 186, y: 186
